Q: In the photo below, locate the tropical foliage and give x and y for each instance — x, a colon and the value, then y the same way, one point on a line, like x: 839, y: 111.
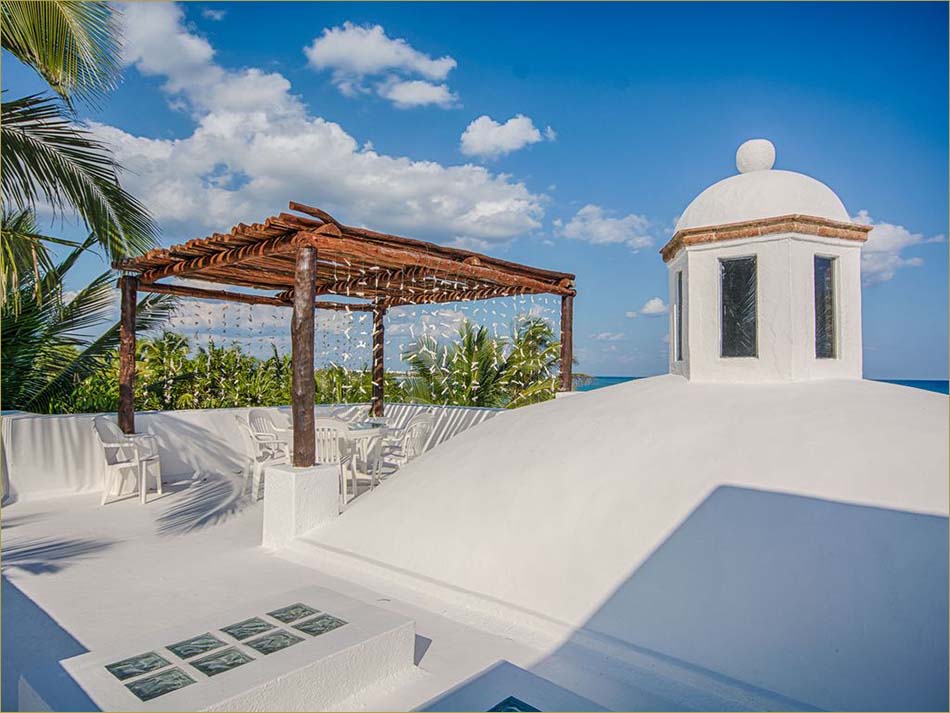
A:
x: 48, y: 159
x: 479, y: 370
x: 47, y: 347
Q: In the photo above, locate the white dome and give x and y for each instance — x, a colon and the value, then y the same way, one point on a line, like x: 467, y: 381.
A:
x: 761, y: 192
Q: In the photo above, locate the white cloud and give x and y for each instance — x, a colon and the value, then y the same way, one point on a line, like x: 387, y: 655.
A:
x: 608, y: 337
x: 255, y: 146
x: 881, y: 256
x: 591, y: 223
x: 213, y: 15
x: 363, y: 59
x: 486, y: 138
x: 653, y: 307
x: 416, y: 92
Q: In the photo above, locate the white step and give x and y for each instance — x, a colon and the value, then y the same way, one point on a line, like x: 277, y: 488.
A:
x: 311, y: 674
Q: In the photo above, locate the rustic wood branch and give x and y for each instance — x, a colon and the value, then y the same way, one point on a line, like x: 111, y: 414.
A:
x: 188, y: 291
x: 221, y: 259
x: 567, y: 343
x: 315, y: 212
x: 302, y: 384
x: 378, y: 360
x: 126, y: 415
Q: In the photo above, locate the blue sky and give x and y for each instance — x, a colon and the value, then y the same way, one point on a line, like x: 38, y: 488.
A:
x: 228, y: 110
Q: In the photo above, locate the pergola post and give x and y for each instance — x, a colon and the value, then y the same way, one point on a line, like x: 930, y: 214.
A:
x: 567, y: 343
x: 301, y: 334
x: 129, y: 289
x: 378, y: 359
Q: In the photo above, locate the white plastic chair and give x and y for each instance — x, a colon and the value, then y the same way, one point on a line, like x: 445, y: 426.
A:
x: 276, y: 438
x: 333, y: 446
x: 263, y: 452
x: 126, y: 454
x: 411, y: 441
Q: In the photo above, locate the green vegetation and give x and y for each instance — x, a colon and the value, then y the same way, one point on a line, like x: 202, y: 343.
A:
x: 472, y: 370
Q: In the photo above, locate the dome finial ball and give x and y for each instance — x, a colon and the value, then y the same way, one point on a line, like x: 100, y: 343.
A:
x: 755, y: 155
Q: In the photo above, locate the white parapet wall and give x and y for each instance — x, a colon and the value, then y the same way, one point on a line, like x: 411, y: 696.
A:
x: 56, y: 455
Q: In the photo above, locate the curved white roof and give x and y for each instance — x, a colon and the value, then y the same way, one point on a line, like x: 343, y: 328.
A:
x: 760, y: 191
x: 569, y: 508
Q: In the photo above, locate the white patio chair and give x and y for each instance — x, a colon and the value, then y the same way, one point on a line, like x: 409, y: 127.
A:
x: 126, y: 454
x: 265, y: 430
x: 411, y: 441
x: 262, y: 454
x: 333, y: 446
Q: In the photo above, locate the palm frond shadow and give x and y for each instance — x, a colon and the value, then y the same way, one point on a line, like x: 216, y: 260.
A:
x: 210, y: 501
x: 46, y: 556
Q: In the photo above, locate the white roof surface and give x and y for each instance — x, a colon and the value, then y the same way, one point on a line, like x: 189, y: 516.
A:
x: 664, y: 513
x: 759, y: 191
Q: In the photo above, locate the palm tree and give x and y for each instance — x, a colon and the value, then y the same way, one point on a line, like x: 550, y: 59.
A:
x: 477, y: 370
x: 46, y: 347
x: 47, y: 159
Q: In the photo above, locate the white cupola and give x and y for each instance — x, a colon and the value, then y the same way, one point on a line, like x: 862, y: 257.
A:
x: 765, y: 278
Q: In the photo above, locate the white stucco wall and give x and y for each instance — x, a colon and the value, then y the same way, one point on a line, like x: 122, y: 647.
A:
x: 785, y: 307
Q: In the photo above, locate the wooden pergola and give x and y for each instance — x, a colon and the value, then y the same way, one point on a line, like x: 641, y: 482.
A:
x: 300, y: 258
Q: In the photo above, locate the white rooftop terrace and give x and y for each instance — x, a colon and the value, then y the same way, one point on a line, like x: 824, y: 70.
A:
x: 79, y: 577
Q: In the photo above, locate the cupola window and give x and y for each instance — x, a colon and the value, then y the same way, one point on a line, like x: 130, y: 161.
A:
x: 678, y: 318
x: 739, y: 309
x: 825, y: 342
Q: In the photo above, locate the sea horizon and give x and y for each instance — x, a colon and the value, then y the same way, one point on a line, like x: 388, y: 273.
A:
x: 939, y: 386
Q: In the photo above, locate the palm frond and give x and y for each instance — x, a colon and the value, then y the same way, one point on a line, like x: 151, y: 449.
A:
x: 47, y: 347
x: 23, y: 250
x: 75, y: 45
x: 151, y: 311
x: 48, y: 158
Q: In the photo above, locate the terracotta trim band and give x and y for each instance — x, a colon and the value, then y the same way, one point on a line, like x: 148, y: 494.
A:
x: 803, y: 224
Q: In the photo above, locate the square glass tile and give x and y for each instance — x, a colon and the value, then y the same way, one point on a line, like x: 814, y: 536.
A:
x: 274, y: 641
x: 194, y: 646
x: 319, y: 625
x: 136, y: 665
x: 161, y: 683
x: 512, y: 705
x: 292, y: 613
x: 221, y: 661
x: 247, y: 628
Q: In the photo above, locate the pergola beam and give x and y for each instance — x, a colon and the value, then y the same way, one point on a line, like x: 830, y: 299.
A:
x: 278, y: 301
x: 188, y: 291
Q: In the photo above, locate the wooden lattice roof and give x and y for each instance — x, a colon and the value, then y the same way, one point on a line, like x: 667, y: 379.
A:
x: 353, y: 262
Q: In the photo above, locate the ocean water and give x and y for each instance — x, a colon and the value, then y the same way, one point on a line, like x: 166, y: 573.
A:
x: 938, y: 386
